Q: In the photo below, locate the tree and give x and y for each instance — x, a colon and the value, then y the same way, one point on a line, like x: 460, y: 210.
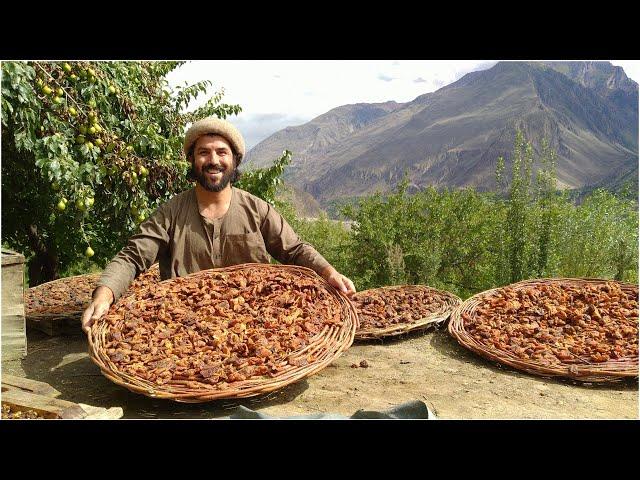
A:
x: 518, y: 214
x: 600, y: 238
x: 265, y: 182
x: 438, y: 238
x: 531, y: 215
x: 89, y: 150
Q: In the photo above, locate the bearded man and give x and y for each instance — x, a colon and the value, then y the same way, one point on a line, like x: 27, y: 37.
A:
x: 211, y: 225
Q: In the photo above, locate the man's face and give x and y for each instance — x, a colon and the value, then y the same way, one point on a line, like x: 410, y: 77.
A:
x: 213, y: 164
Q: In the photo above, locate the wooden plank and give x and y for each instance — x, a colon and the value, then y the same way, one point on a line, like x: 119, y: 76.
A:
x: 14, y: 341
x: 12, y: 396
x: 28, y: 385
x: 9, y: 257
x: 11, y: 383
x: 48, y: 407
x: 14, y: 337
x: 12, y: 286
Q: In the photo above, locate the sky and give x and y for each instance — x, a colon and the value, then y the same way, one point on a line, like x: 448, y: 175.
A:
x: 275, y: 94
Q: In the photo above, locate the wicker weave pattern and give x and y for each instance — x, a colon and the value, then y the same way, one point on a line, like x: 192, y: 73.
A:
x: 436, y: 317
x: 610, y: 370
x: 324, y: 347
x: 70, y: 296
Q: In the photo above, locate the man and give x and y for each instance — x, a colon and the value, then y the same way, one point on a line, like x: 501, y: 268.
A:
x: 211, y: 225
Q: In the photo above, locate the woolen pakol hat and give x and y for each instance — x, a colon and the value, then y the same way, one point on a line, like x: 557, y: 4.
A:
x: 219, y: 127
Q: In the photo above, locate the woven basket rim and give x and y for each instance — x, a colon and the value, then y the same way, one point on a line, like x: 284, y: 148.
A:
x: 43, y: 314
x: 40, y: 314
x: 65, y: 279
x: 432, y: 320
x: 610, y: 371
x: 330, y: 343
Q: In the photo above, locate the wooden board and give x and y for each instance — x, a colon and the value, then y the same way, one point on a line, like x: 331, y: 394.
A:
x: 30, y: 386
x: 9, y: 257
x: 14, y: 337
x: 23, y: 394
x: 48, y: 407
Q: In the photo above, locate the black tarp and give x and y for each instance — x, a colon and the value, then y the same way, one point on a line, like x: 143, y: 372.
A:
x: 415, y: 409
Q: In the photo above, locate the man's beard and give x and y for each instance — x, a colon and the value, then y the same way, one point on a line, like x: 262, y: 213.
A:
x: 210, y: 185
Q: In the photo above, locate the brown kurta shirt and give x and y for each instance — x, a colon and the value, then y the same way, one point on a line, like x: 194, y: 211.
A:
x: 183, y: 241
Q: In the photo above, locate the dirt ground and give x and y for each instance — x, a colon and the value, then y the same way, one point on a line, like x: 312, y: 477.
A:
x: 428, y: 366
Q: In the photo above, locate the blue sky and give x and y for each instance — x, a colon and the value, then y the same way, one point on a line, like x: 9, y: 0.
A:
x: 275, y: 94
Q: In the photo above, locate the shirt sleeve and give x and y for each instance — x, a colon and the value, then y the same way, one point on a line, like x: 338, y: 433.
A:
x: 138, y: 255
x: 285, y: 245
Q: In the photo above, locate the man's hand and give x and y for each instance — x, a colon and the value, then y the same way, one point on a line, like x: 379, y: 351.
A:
x: 102, y: 300
x: 339, y: 281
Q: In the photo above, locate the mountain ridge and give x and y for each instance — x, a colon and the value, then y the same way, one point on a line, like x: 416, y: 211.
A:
x: 454, y: 135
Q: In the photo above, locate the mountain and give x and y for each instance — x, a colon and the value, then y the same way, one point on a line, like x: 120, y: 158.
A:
x: 317, y: 137
x: 305, y: 205
x: 618, y: 182
x: 452, y: 137
x: 603, y: 77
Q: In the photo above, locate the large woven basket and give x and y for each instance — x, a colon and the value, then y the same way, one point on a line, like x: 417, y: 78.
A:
x: 61, y: 298
x: 323, y: 348
x: 579, y: 369
x: 68, y: 297
x: 435, y: 318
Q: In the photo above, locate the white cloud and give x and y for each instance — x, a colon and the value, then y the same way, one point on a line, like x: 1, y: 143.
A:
x: 300, y: 90
x: 276, y: 94
x: 309, y: 88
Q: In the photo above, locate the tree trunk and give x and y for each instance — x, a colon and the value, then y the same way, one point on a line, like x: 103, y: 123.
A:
x: 43, y: 267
